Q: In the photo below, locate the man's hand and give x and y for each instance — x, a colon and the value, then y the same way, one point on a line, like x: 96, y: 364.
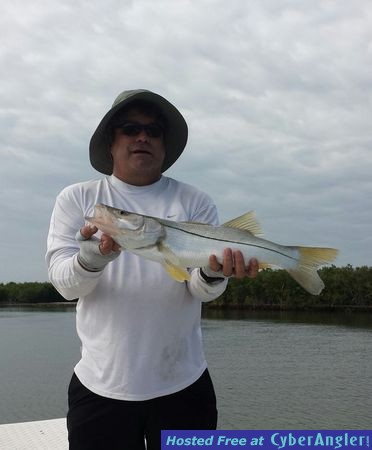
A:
x: 95, y: 253
x: 107, y: 244
x: 233, y: 265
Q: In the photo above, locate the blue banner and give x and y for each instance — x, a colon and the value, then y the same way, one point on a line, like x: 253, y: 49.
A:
x: 266, y: 439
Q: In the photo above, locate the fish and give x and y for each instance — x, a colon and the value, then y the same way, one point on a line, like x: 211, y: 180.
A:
x: 182, y: 246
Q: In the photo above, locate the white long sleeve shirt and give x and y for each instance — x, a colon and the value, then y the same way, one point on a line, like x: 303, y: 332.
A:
x: 139, y: 329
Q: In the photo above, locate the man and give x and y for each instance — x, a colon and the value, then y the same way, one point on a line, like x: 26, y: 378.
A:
x: 142, y: 367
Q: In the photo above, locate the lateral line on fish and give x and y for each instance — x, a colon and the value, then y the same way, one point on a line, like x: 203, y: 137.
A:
x: 233, y: 242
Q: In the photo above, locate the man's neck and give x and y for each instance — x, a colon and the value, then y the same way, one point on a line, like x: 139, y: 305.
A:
x: 137, y: 179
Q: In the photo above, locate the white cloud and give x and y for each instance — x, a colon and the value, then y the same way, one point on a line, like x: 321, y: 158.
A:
x: 277, y: 96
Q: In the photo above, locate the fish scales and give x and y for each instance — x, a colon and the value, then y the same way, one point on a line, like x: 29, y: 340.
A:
x: 180, y: 246
x: 200, y: 241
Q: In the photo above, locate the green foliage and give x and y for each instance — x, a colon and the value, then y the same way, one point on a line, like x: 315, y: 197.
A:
x: 13, y: 293
x: 344, y: 286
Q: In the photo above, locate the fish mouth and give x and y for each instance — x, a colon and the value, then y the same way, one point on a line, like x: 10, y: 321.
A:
x: 103, y: 220
x: 100, y: 213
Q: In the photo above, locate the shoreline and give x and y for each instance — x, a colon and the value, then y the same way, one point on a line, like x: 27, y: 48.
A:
x: 41, y: 304
x: 305, y: 308
x: 206, y: 307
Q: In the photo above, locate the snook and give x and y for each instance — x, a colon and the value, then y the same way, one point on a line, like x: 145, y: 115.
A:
x: 179, y: 246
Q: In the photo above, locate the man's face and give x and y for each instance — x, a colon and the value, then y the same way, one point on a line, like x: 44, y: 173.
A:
x: 137, y: 158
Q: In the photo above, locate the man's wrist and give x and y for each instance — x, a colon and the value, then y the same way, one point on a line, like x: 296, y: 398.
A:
x: 208, y: 279
x: 85, y: 266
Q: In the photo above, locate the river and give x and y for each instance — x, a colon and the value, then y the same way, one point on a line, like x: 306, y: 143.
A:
x: 271, y: 370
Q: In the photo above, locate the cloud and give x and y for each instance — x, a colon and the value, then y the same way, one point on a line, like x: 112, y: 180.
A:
x: 277, y: 96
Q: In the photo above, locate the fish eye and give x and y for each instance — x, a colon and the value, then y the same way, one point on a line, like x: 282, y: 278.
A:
x: 122, y: 213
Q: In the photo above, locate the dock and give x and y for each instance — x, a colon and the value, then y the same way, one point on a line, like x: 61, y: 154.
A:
x: 38, y: 435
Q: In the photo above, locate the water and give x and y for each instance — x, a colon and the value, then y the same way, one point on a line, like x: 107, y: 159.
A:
x: 270, y: 370
x: 291, y: 371
x: 38, y: 349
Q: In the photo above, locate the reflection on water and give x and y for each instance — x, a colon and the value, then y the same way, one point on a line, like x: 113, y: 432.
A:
x: 270, y: 369
x: 290, y: 370
x: 339, y: 318
x: 38, y: 348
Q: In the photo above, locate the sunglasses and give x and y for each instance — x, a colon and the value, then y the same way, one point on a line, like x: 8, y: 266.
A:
x: 153, y: 130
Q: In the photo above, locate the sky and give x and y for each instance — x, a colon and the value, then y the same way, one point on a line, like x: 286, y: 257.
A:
x: 277, y: 95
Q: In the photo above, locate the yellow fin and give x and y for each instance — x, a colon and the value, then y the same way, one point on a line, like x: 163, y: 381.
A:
x: 171, y: 264
x: 170, y: 257
x: 310, y: 259
x: 263, y: 265
x: 177, y: 273
x: 316, y: 256
x: 247, y: 222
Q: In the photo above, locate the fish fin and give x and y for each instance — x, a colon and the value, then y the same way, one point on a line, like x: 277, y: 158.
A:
x: 247, y: 222
x: 168, y: 254
x: 263, y: 265
x: 172, y: 264
x: 176, y: 272
x: 306, y: 272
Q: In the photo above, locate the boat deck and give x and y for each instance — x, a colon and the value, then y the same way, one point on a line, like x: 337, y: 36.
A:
x: 39, y: 435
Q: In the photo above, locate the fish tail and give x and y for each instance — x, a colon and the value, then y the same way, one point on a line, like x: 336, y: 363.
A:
x: 310, y: 258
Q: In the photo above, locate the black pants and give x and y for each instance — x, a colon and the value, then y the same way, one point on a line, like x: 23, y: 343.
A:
x: 100, y: 423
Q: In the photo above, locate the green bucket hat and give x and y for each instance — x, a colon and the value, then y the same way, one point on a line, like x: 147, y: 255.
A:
x: 175, y: 134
